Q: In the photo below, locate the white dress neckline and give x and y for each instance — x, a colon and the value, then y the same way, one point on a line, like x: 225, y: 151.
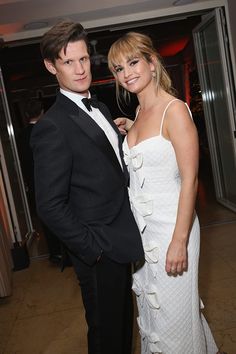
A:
x: 154, y: 136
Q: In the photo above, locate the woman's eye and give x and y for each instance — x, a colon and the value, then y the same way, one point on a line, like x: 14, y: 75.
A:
x: 118, y: 69
x: 134, y: 62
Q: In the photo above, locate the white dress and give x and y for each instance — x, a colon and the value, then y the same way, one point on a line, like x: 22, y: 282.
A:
x: 169, y: 319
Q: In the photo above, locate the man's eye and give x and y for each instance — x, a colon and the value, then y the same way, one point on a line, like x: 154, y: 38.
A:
x: 84, y: 59
x: 68, y: 62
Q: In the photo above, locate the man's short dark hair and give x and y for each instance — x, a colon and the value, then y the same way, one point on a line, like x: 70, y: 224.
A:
x: 58, y: 37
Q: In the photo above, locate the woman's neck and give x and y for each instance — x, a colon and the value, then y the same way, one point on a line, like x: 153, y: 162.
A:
x: 148, y: 100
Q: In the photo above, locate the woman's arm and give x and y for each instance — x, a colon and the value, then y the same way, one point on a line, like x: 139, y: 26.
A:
x: 182, y: 133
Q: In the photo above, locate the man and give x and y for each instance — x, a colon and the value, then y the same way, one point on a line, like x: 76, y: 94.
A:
x: 81, y: 191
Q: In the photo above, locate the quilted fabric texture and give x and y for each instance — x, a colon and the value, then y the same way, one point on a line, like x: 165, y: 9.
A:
x: 170, y: 320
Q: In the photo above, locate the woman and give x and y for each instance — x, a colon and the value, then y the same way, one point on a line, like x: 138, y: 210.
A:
x: 161, y: 152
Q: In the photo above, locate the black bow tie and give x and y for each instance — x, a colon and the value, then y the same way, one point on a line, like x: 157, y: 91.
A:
x: 88, y: 102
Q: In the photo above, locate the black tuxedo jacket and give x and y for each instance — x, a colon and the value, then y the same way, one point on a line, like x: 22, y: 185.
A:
x: 81, y: 189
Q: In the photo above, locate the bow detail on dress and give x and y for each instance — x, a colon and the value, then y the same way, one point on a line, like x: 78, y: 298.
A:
x: 147, y: 292
x: 152, y: 338
x: 135, y: 161
x: 142, y: 205
x: 151, y: 252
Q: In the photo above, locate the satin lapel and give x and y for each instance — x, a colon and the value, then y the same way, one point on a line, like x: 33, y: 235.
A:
x: 93, y: 131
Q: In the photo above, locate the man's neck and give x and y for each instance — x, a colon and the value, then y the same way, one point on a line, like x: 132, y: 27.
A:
x: 75, y: 94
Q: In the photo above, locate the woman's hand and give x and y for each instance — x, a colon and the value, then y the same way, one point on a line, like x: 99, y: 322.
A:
x: 123, y: 124
x: 176, y: 257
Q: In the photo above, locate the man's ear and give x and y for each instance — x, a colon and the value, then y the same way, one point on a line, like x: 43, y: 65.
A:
x: 50, y: 66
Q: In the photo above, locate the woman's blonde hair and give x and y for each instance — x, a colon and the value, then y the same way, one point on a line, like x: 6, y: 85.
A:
x: 134, y: 44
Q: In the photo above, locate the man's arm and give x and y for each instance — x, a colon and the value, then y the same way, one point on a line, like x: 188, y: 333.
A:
x: 53, y: 167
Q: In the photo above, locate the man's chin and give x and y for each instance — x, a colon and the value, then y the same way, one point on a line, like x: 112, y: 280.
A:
x: 81, y: 90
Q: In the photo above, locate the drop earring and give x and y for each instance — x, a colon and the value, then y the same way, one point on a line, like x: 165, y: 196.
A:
x: 153, y: 74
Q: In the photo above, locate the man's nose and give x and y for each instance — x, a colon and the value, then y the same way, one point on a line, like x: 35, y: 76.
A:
x: 79, y: 68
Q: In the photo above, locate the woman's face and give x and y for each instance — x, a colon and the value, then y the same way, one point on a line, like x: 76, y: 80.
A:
x: 134, y: 74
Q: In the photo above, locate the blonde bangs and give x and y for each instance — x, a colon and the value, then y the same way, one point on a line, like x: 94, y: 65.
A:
x: 123, y: 48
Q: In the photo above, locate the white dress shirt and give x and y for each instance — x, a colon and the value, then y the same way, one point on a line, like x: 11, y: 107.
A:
x: 99, y: 118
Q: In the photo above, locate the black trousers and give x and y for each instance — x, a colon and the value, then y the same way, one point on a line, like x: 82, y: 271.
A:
x: 107, y: 298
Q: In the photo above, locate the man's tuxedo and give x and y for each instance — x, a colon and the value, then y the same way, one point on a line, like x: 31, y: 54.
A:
x: 81, y: 192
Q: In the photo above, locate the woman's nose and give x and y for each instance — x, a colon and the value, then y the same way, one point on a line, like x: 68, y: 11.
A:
x: 126, y: 71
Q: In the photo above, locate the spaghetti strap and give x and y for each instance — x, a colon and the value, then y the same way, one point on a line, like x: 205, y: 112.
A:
x: 163, y: 116
x: 189, y: 111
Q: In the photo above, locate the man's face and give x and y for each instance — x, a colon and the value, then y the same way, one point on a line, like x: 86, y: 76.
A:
x: 72, y: 69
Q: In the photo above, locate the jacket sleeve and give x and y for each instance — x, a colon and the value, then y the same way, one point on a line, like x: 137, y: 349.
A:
x: 53, y: 162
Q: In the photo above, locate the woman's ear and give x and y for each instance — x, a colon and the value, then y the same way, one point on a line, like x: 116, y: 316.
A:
x: 153, y: 63
x: 50, y: 66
